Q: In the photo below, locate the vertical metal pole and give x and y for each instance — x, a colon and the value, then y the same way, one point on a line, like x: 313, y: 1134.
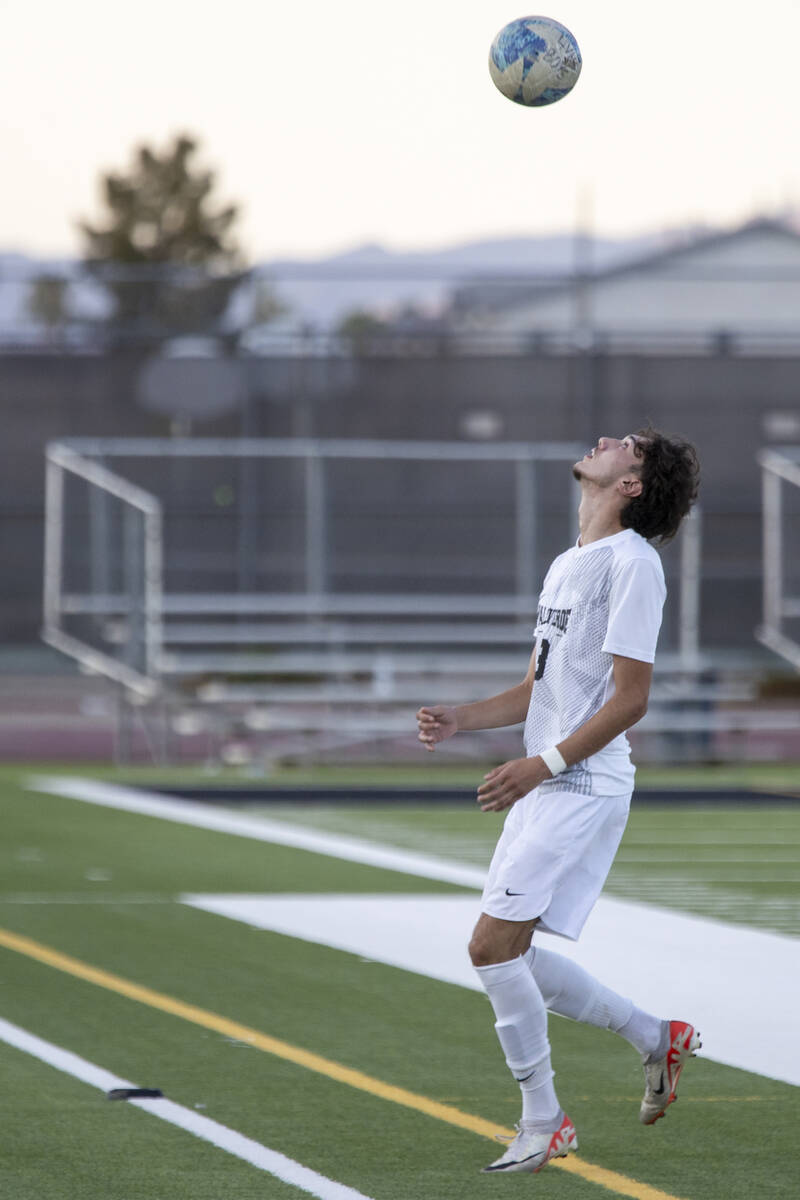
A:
x: 153, y: 591
x: 316, y: 538
x: 773, y: 548
x: 689, y: 627
x: 53, y: 544
x: 247, y: 507
x: 123, y: 737
x: 527, y: 555
x: 132, y: 569
x: 583, y: 263
x: 99, y: 541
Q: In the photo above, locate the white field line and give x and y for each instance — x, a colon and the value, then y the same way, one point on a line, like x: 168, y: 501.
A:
x: 207, y: 816
x: 234, y: 1143
x: 333, y: 845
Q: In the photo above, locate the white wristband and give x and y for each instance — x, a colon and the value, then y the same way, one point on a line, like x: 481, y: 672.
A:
x: 553, y: 760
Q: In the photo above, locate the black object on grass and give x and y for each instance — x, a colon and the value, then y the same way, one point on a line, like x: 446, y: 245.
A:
x: 134, y: 1094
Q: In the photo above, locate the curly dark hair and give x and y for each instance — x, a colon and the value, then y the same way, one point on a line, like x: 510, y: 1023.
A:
x: 670, y: 474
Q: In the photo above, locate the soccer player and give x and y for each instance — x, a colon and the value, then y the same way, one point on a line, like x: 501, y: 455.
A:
x: 587, y: 683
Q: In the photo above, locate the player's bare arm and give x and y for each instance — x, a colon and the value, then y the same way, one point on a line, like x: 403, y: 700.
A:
x: 440, y: 721
x: 507, y: 783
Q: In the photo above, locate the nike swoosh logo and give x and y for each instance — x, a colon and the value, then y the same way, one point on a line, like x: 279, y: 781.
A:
x: 659, y: 1091
x: 508, y: 893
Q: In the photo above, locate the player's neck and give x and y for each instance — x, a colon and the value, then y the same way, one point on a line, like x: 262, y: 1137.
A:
x: 598, y: 516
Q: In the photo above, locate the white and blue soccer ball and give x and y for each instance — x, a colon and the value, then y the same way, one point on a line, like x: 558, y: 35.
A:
x: 535, y: 61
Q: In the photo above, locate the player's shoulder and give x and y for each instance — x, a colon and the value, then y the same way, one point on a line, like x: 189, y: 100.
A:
x: 632, y: 550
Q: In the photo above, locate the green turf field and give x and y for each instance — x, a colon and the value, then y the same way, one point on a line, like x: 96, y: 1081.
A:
x: 100, y: 887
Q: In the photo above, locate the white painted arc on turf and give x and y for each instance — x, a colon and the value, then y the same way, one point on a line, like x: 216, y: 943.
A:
x: 205, y: 816
x: 737, y: 985
x: 236, y: 1144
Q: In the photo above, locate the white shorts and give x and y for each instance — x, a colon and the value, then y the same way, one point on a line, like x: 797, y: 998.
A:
x: 552, y: 859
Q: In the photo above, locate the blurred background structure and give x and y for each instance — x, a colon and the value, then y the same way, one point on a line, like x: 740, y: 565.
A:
x: 286, y: 504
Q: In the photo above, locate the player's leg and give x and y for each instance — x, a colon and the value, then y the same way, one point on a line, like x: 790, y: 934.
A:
x: 568, y: 989
x: 664, y: 1046
x: 544, y: 1131
x: 575, y: 857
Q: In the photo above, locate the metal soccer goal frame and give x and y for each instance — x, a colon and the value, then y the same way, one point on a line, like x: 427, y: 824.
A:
x: 143, y: 604
x: 779, y: 469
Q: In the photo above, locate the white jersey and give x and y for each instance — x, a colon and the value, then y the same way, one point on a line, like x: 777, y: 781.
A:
x: 597, y: 600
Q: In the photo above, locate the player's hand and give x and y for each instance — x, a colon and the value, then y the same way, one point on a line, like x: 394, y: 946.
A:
x: 435, y: 724
x: 509, y: 782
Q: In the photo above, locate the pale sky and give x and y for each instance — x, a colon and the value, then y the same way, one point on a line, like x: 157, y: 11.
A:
x: 334, y: 124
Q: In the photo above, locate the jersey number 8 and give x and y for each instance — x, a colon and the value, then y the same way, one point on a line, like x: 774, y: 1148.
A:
x: 541, y: 661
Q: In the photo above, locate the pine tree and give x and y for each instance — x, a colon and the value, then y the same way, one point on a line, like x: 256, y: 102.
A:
x: 164, y: 249
x: 160, y: 212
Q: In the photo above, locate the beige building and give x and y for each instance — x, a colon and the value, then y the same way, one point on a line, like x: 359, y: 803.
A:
x: 737, y: 290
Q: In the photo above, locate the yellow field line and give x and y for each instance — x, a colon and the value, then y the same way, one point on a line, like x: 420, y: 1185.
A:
x: 615, y: 1182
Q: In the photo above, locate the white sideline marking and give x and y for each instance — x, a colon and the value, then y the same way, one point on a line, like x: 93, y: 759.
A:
x: 737, y: 985
x: 226, y: 1139
x: 208, y: 816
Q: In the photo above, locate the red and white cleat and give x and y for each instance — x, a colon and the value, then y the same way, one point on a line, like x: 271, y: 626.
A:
x: 661, y: 1077
x: 530, y: 1150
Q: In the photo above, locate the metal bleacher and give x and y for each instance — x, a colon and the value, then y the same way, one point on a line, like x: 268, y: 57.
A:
x: 324, y: 668
x: 336, y: 681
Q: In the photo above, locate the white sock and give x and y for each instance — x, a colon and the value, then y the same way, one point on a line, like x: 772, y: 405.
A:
x: 570, y: 990
x: 521, y: 1027
x: 650, y: 1035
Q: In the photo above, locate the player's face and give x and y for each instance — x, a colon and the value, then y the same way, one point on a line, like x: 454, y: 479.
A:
x: 610, y: 460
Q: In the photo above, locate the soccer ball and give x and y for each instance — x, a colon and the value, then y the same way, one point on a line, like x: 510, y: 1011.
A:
x: 534, y: 61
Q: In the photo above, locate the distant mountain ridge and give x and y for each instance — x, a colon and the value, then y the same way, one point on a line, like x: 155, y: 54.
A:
x: 317, y: 293
x: 553, y: 253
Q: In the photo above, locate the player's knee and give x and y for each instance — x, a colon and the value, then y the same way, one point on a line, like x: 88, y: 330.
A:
x: 483, y: 951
